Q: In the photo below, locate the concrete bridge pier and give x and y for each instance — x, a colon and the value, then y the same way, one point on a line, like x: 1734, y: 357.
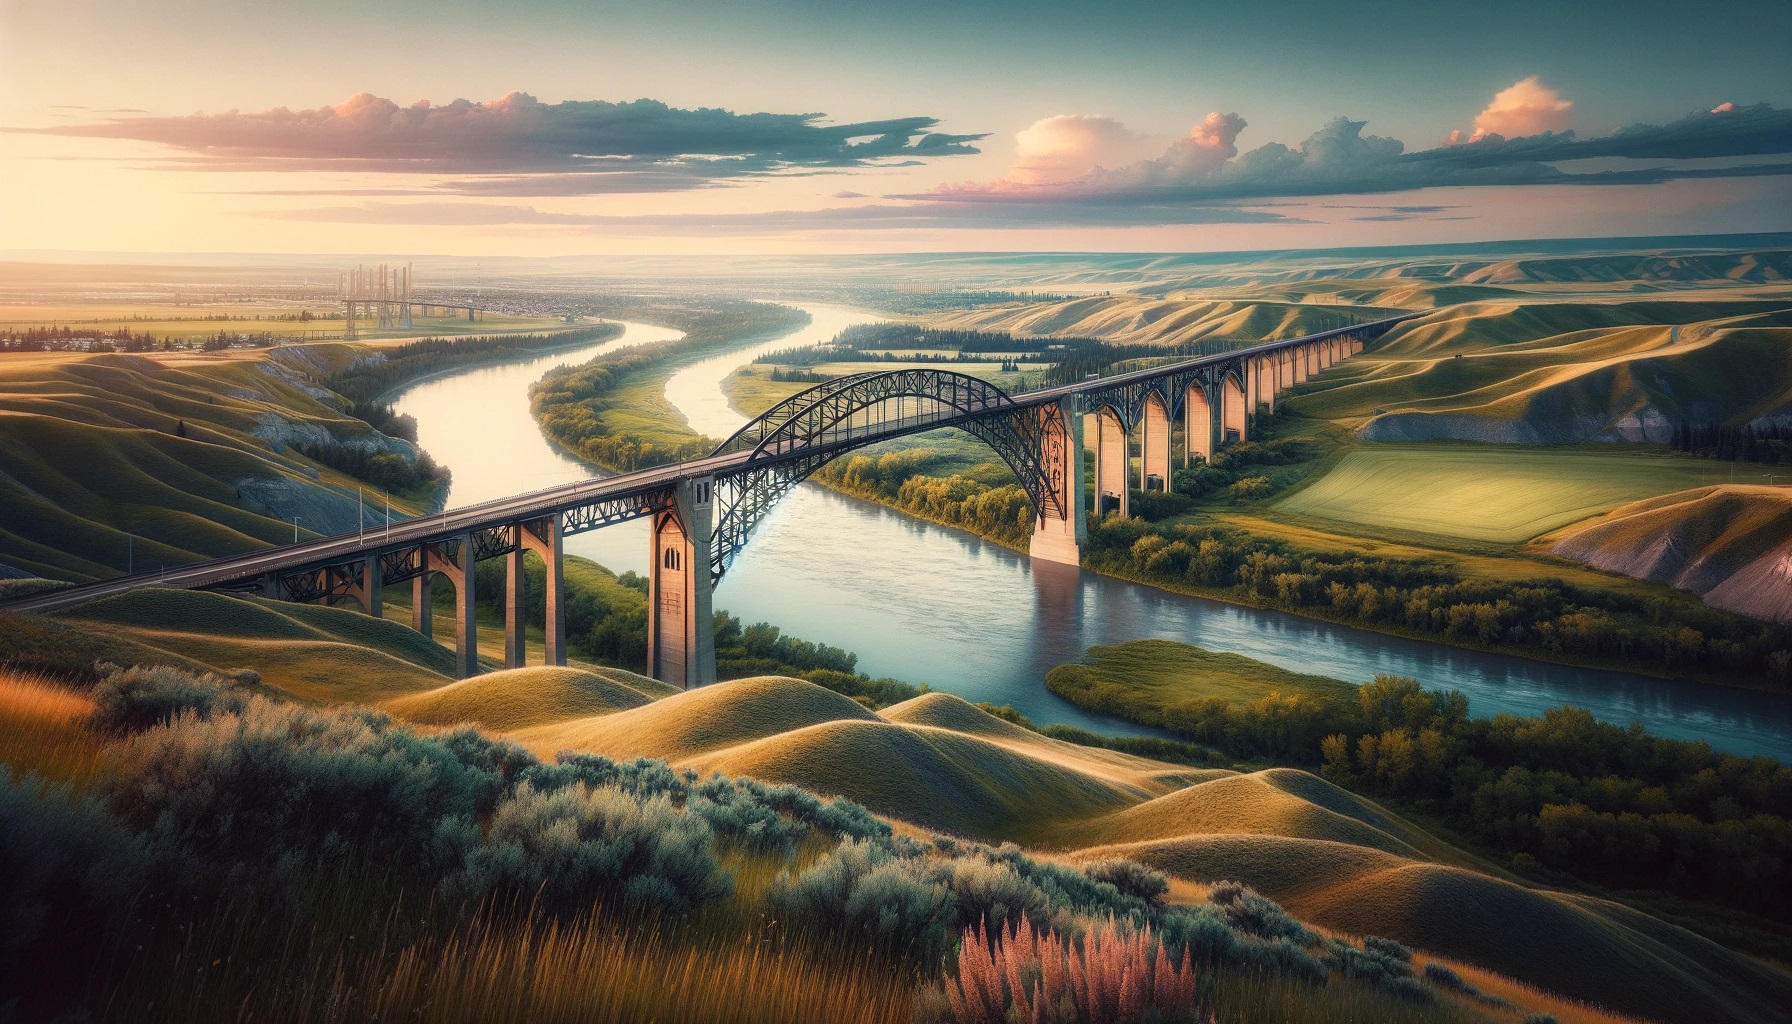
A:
x: 458, y: 570
x: 516, y: 604
x: 681, y: 641
x: 1198, y: 436
x: 1112, y: 461
x: 1232, y: 410
x: 544, y: 538
x: 1263, y: 384
x: 365, y: 587
x: 422, y: 602
x: 1059, y: 538
x: 1154, y: 445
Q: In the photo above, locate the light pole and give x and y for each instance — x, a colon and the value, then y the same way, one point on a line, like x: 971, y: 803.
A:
x: 295, y: 529
x: 361, y: 513
x: 130, y: 554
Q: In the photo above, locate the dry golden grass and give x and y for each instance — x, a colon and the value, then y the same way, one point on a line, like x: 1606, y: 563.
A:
x: 954, y: 713
x: 1555, y: 941
x: 590, y: 972
x: 932, y: 777
x: 1251, y: 804
x: 519, y: 699
x: 687, y: 724
x: 45, y: 728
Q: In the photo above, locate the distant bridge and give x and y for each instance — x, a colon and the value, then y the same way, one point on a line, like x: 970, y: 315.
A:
x: 703, y: 511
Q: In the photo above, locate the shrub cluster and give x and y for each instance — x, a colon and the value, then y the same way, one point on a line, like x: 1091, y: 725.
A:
x: 216, y: 794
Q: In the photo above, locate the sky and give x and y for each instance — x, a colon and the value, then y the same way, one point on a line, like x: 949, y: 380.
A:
x: 556, y: 127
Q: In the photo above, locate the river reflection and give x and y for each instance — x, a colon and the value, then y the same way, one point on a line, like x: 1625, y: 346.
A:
x: 927, y: 604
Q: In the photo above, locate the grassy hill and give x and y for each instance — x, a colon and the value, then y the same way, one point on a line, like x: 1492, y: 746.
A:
x: 1137, y: 319
x: 522, y: 697
x: 190, y: 455
x: 1554, y: 372
x: 1729, y: 544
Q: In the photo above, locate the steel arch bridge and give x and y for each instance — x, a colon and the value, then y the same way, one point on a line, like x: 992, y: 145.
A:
x: 703, y: 511
x: 804, y: 432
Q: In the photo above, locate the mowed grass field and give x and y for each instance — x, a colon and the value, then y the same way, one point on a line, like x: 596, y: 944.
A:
x: 1483, y: 493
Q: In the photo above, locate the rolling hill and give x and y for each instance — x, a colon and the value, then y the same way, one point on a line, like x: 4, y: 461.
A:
x: 1560, y: 372
x: 109, y: 461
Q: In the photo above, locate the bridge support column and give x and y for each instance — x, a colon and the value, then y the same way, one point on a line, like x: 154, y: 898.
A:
x: 1112, y: 457
x: 270, y: 586
x: 545, y: 539
x: 1059, y: 538
x: 1154, y: 445
x: 459, y: 571
x: 366, y: 585
x: 1302, y: 364
x: 1271, y: 367
x: 1198, y: 412
x: 681, y: 643
x: 423, y: 600
x: 1233, y: 414
x: 516, y: 605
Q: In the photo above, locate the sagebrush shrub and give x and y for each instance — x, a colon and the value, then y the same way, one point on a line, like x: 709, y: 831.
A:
x: 275, y: 781
x: 575, y: 845
x: 1130, y: 877
x: 131, y: 699
x: 59, y: 849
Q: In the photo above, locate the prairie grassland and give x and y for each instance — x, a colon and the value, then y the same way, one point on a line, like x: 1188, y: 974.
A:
x: 1481, y: 493
x: 523, y: 697
x: 333, y: 959
x: 1141, y: 319
x: 182, y: 322
x: 44, y: 728
x: 140, y: 460
x: 1552, y: 373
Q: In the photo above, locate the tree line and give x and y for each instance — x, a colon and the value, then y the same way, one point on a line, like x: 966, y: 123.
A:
x: 1769, y: 443
x: 1611, y: 805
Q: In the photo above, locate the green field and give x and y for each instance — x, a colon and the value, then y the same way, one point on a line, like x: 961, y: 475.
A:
x: 181, y: 322
x: 1167, y: 673
x: 1483, y: 493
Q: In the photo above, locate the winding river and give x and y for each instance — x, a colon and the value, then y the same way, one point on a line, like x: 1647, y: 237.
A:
x: 927, y: 604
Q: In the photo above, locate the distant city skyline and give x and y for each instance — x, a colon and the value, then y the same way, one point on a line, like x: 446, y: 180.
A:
x: 553, y: 128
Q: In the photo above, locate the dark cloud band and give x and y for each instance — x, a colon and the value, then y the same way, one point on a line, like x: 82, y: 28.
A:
x: 519, y: 145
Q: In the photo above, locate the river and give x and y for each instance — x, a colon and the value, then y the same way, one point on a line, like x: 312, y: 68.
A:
x: 924, y: 603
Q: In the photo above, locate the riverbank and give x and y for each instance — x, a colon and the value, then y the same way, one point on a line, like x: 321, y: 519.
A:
x: 1482, y: 597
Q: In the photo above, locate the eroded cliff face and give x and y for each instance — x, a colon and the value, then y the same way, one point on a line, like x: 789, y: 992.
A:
x: 1731, y: 545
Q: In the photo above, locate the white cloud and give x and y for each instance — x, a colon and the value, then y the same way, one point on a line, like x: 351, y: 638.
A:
x: 1067, y: 146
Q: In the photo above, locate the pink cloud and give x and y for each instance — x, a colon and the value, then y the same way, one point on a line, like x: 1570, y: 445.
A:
x: 1725, y: 107
x: 1526, y: 107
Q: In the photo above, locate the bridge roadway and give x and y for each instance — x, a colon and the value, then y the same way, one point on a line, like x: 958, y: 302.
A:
x: 656, y: 487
